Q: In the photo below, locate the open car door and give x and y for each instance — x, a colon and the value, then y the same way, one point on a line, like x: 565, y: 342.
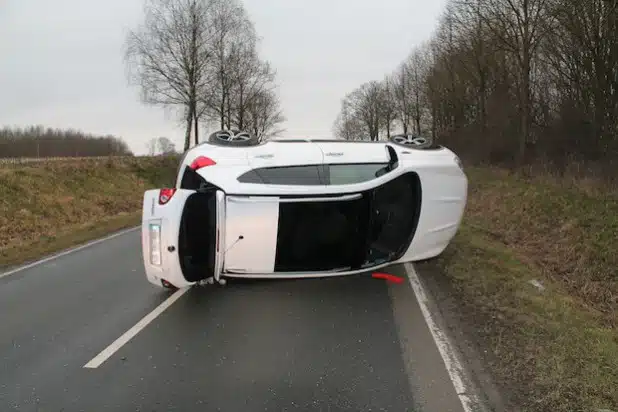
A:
x: 180, y: 233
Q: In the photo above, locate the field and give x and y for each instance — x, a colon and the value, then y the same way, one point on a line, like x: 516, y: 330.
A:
x: 52, y: 205
x: 534, y: 273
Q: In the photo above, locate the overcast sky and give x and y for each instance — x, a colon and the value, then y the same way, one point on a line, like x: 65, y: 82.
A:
x: 61, y: 61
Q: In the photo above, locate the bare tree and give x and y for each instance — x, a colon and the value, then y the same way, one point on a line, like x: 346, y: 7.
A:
x: 347, y: 125
x: 520, y: 26
x: 200, y: 58
x: 166, y: 146
x: 400, y: 88
x: 582, y: 60
x: 507, y: 81
x: 168, y: 54
x: 264, y: 115
x: 389, y: 104
x: 252, y: 78
x: 417, y: 75
x: 366, y: 103
x: 151, y: 146
x: 234, y: 35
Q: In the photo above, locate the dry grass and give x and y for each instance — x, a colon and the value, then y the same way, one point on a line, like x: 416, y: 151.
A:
x: 567, y: 228
x: 47, y: 207
x: 556, y: 349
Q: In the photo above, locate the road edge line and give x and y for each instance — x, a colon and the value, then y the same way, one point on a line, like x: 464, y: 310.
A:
x: 449, y: 356
x: 106, y: 353
x: 67, y: 252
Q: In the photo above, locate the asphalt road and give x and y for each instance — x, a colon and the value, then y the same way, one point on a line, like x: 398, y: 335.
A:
x: 341, y: 344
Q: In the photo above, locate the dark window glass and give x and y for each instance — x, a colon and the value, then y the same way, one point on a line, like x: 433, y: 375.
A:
x: 193, y: 181
x: 292, y: 175
x: 345, y: 174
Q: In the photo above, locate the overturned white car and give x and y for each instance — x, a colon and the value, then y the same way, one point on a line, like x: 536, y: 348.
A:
x: 300, y: 209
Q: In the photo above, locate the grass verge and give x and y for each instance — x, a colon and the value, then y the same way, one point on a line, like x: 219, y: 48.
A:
x: 69, y: 237
x: 552, y: 349
x: 53, y: 206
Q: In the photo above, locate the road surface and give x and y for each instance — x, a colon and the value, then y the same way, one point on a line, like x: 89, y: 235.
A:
x: 342, y: 344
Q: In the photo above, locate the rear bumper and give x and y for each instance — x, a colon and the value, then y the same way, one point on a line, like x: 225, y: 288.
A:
x: 155, y: 274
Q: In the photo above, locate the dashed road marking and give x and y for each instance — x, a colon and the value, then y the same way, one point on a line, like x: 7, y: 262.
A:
x: 128, y: 335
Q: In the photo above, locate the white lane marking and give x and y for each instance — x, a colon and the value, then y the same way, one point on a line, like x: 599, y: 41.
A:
x: 128, y: 335
x: 66, y: 252
x: 451, y: 361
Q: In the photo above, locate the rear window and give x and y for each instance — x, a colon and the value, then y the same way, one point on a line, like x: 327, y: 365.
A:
x: 310, y: 175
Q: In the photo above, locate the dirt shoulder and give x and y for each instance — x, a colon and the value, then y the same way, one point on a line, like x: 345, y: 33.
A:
x: 50, y: 206
x: 529, y: 286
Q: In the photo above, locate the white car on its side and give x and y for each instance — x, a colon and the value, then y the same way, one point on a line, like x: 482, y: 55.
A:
x: 300, y: 209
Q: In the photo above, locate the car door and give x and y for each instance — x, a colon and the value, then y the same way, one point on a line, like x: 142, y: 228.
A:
x: 353, y: 152
x: 250, y: 235
x: 162, y: 212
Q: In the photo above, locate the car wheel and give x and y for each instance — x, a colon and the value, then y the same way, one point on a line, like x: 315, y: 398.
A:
x: 233, y: 138
x: 411, y: 141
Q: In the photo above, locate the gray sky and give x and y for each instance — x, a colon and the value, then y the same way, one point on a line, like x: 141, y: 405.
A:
x: 61, y: 61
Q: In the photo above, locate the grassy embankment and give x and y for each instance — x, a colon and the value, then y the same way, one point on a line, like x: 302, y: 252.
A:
x: 47, y: 207
x: 554, y: 349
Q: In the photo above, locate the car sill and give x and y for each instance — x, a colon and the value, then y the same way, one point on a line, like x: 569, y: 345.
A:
x: 301, y: 275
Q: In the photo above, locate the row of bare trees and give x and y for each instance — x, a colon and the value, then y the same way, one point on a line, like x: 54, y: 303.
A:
x: 200, y: 58
x: 38, y: 141
x: 504, y: 81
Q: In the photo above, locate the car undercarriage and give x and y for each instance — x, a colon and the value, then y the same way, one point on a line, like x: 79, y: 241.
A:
x: 315, y: 233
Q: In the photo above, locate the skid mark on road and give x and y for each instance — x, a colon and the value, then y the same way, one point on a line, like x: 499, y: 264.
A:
x: 128, y: 335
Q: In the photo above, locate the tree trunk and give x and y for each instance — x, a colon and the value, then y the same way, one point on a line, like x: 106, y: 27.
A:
x: 525, y: 97
x: 222, y: 114
x: 188, y: 129
x: 195, y: 127
x: 434, y: 123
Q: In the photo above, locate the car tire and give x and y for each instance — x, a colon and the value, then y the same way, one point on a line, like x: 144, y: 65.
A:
x: 411, y: 141
x: 233, y: 138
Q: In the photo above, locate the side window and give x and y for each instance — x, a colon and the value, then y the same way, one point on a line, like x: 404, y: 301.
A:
x: 345, y: 174
x: 192, y: 180
x: 292, y: 176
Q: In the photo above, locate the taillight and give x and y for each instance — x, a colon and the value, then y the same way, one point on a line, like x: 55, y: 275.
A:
x: 202, y: 161
x: 154, y: 234
x: 165, y: 195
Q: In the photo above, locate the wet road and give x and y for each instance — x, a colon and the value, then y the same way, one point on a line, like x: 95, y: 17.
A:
x: 340, y: 344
